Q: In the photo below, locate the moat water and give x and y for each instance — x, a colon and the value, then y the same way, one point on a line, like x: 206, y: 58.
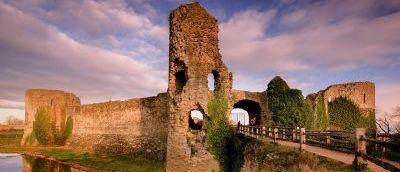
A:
x: 19, y: 163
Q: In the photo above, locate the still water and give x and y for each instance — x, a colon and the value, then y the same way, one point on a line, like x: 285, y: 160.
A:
x: 23, y: 163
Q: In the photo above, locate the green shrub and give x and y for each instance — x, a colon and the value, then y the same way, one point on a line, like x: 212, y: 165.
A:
x: 221, y: 140
x: 288, y: 105
x: 45, y: 131
x: 322, y: 119
x: 344, y: 114
x: 218, y: 129
x: 43, y: 127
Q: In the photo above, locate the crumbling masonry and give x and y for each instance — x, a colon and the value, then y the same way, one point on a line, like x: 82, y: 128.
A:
x: 158, y: 127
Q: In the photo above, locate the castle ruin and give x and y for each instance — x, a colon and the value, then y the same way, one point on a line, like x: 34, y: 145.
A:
x: 158, y: 127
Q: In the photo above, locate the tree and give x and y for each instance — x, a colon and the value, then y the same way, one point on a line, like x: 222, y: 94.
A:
x: 389, y: 122
x: 218, y: 129
x: 288, y: 105
x: 11, y: 120
x: 43, y: 128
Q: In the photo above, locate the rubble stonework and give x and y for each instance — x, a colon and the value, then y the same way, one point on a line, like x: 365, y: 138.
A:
x: 361, y: 94
x: 158, y: 127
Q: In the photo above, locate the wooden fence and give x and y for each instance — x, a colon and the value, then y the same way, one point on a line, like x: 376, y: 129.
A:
x: 345, y: 141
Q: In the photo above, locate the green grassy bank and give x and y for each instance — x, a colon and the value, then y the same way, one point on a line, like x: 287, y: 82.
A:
x: 261, y: 156
x: 10, y: 143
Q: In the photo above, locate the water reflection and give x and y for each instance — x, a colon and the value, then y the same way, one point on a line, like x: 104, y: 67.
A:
x: 18, y: 163
x: 10, y: 163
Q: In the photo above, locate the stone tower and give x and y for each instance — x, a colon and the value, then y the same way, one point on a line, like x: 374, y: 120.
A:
x: 193, y: 55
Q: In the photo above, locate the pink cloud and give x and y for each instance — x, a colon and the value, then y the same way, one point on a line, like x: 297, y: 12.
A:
x: 35, y: 54
x: 327, y: 35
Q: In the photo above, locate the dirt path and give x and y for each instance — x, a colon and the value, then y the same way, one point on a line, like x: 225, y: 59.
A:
x: 339, y: 156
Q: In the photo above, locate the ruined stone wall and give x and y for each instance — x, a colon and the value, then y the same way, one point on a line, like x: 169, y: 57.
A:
x: 258, y: 97
x: 135, y: 126
x: 360, y: 93
x: 193, y: 54
x: 54, y: 101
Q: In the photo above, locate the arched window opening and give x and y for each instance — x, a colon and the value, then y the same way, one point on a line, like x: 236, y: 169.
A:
x: 253, y: 110
x: 365, y: 98
x: 180, y: 80
x: 213, y: 80
x: 239, y: 115
x: 196, y: 120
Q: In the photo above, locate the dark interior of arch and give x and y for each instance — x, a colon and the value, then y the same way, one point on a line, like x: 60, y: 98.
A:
x: 252, y: 108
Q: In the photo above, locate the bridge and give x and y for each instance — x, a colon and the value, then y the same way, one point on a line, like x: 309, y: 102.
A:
x: 349, y: 147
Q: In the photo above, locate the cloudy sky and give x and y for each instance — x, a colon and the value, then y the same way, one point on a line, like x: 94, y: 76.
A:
x: 108, y: 50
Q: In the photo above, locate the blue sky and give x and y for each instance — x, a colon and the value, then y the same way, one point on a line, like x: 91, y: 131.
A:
x: 110, y: 50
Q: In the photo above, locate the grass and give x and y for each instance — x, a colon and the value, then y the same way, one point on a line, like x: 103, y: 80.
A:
x: 10, y: 143
x: 88, y: 159
x: 271, y: 157
x: 11, y: 138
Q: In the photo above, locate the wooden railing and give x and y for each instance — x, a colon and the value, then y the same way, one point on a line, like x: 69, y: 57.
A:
x: 345, y: 141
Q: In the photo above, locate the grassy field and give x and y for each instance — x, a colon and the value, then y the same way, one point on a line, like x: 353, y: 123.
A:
x: 11, y: 138
x: 10, y: 143
x: 272, y: 157
x: 88, y: 159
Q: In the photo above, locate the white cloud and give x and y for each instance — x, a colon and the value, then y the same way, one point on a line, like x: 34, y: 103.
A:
x: 43, y: 57
x: 313, y: 36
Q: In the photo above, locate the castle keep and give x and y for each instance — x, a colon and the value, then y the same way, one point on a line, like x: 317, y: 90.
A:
x: 158, y: 127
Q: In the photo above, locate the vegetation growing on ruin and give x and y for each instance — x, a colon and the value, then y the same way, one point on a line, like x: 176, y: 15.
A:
x: 288, y: 105
x: 344, y: 114
x: 45, y: 131
x: 222, y: 142
x: 322, y: 119
x: 43, y: 127
x: 218, y: 129
x: 271, y: 157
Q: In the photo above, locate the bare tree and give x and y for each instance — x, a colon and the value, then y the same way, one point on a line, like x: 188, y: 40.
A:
x: 389, y: 123
x: 11, y: 120
x: 384, y: 123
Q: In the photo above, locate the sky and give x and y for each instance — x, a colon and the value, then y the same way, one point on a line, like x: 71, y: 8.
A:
x: 115, y: 50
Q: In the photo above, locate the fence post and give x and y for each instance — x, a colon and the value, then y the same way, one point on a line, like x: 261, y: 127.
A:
x: 328, y: 140
x: 275, y: 134
x: 294, y: 134
x: 263, y: 131
x: 359, y: 161
x: 298, y: 135
x: 269, y: 132
x: 302, y: 138
x: 284, y: 134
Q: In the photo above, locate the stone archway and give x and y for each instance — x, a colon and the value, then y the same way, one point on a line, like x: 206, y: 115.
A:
x: 253, y: 109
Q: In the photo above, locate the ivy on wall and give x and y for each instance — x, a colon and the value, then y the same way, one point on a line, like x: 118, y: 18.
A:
x: 226, y: 146
x: 344, y: 114
x: 288, y: 105
x: 45, y: 131
x: 321, y: 121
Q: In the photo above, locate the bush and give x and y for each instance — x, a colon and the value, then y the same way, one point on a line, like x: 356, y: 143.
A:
x: 322, y: 119
x: 45, y: 132
x: 344, y: 114
x: 288, y: 105
x: 43, y: 127
x: 218, y: 129
x: 221, y: 140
